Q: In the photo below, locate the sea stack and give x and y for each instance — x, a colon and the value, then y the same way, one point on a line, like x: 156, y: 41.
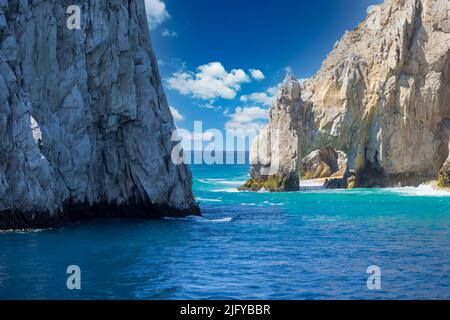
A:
x: 85, y: 127
x: 274, y: 154
x: 382, y: 96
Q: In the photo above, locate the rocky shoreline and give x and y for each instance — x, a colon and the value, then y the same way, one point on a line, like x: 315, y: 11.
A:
x: 11, y: 220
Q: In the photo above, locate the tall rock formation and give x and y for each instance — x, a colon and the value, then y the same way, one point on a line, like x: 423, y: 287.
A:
x: 274, y: 152
x: 383, y: 95
x: 85, y: 127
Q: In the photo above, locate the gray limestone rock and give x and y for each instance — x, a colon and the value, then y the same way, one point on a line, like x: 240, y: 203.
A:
x: 84, y: 123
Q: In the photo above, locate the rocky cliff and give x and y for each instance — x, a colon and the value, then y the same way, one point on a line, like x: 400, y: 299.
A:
x: 85, y: 128
x: 382, y: 96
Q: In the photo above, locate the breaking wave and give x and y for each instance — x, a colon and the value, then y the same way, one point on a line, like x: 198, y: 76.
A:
x: 200, y: 219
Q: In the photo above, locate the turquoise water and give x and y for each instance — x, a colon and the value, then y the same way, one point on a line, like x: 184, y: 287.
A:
x: 312, y: 244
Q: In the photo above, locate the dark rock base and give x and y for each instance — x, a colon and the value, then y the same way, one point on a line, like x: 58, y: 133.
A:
x: 272, y: 184
x: 13, y: 220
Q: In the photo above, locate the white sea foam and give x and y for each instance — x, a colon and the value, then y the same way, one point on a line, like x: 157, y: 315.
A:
x: 200, y: 219
x: 262, y: 204
x: 222, y: 182
x: 227, y: 190
x: 208, y: 200
x: 268, y: 203
x: 310, y: 183
x: 25, y: 230
x: 423, y: 190
x: 226, y: 219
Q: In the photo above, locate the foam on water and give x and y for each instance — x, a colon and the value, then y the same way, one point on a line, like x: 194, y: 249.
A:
x: 222, y: 182
x: 25, y: 231
x: 199, y: 219
x: 423, y: 190
x: 262, y: 204
x: 226, y: 190
x: 208, y: 200
x: 310, y: 183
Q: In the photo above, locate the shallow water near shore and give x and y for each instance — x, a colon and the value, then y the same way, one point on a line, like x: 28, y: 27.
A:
x: 313, y: 244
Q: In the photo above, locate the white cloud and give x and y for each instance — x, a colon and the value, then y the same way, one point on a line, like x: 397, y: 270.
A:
x: 257, y: 74
x: 169, y: 34
x: 258, y: 97
x: 161, y: 62
x: 211, y: 81
x: 177, y: 116
x: 273, y: 91
x: 288, y: 69
x: 266, y: 98
x: 156, y: 12
x: 211, y: 106
x: 250, y: 118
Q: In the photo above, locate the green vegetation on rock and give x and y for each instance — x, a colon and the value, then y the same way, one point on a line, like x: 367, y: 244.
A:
x: 444, y: 176
x: 270, y: 183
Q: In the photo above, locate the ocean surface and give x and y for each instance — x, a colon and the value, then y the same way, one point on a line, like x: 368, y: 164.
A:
x: 313, y: 244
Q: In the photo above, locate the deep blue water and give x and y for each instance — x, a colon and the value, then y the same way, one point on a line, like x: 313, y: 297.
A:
x: 303, y: 245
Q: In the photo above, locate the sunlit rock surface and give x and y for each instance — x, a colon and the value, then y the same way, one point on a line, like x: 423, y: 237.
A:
x: 382, y: 96
x: 85, y: 127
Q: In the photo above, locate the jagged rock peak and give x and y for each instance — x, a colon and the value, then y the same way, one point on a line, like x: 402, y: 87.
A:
x: 291, y: 87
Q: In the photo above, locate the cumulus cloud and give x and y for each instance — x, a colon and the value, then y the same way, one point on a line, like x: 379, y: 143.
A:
x: 177, y: 116
x: 258, y: 97
x: 211, y: 81
x: 169, y: 34
x: 156, y: 12
x: 249, y: 118
x: 257, y: 74
x: 210, y: 106
x: 266, y: 98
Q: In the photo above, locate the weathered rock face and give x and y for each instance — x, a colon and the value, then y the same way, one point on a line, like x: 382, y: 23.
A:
x: 274, y: 152
x: 324, y: 163
x: 383, y: 95
x: 84, y: 123
x: 444, y: 175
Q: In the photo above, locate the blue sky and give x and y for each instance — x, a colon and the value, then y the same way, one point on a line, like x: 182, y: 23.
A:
x: 222, y: 60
